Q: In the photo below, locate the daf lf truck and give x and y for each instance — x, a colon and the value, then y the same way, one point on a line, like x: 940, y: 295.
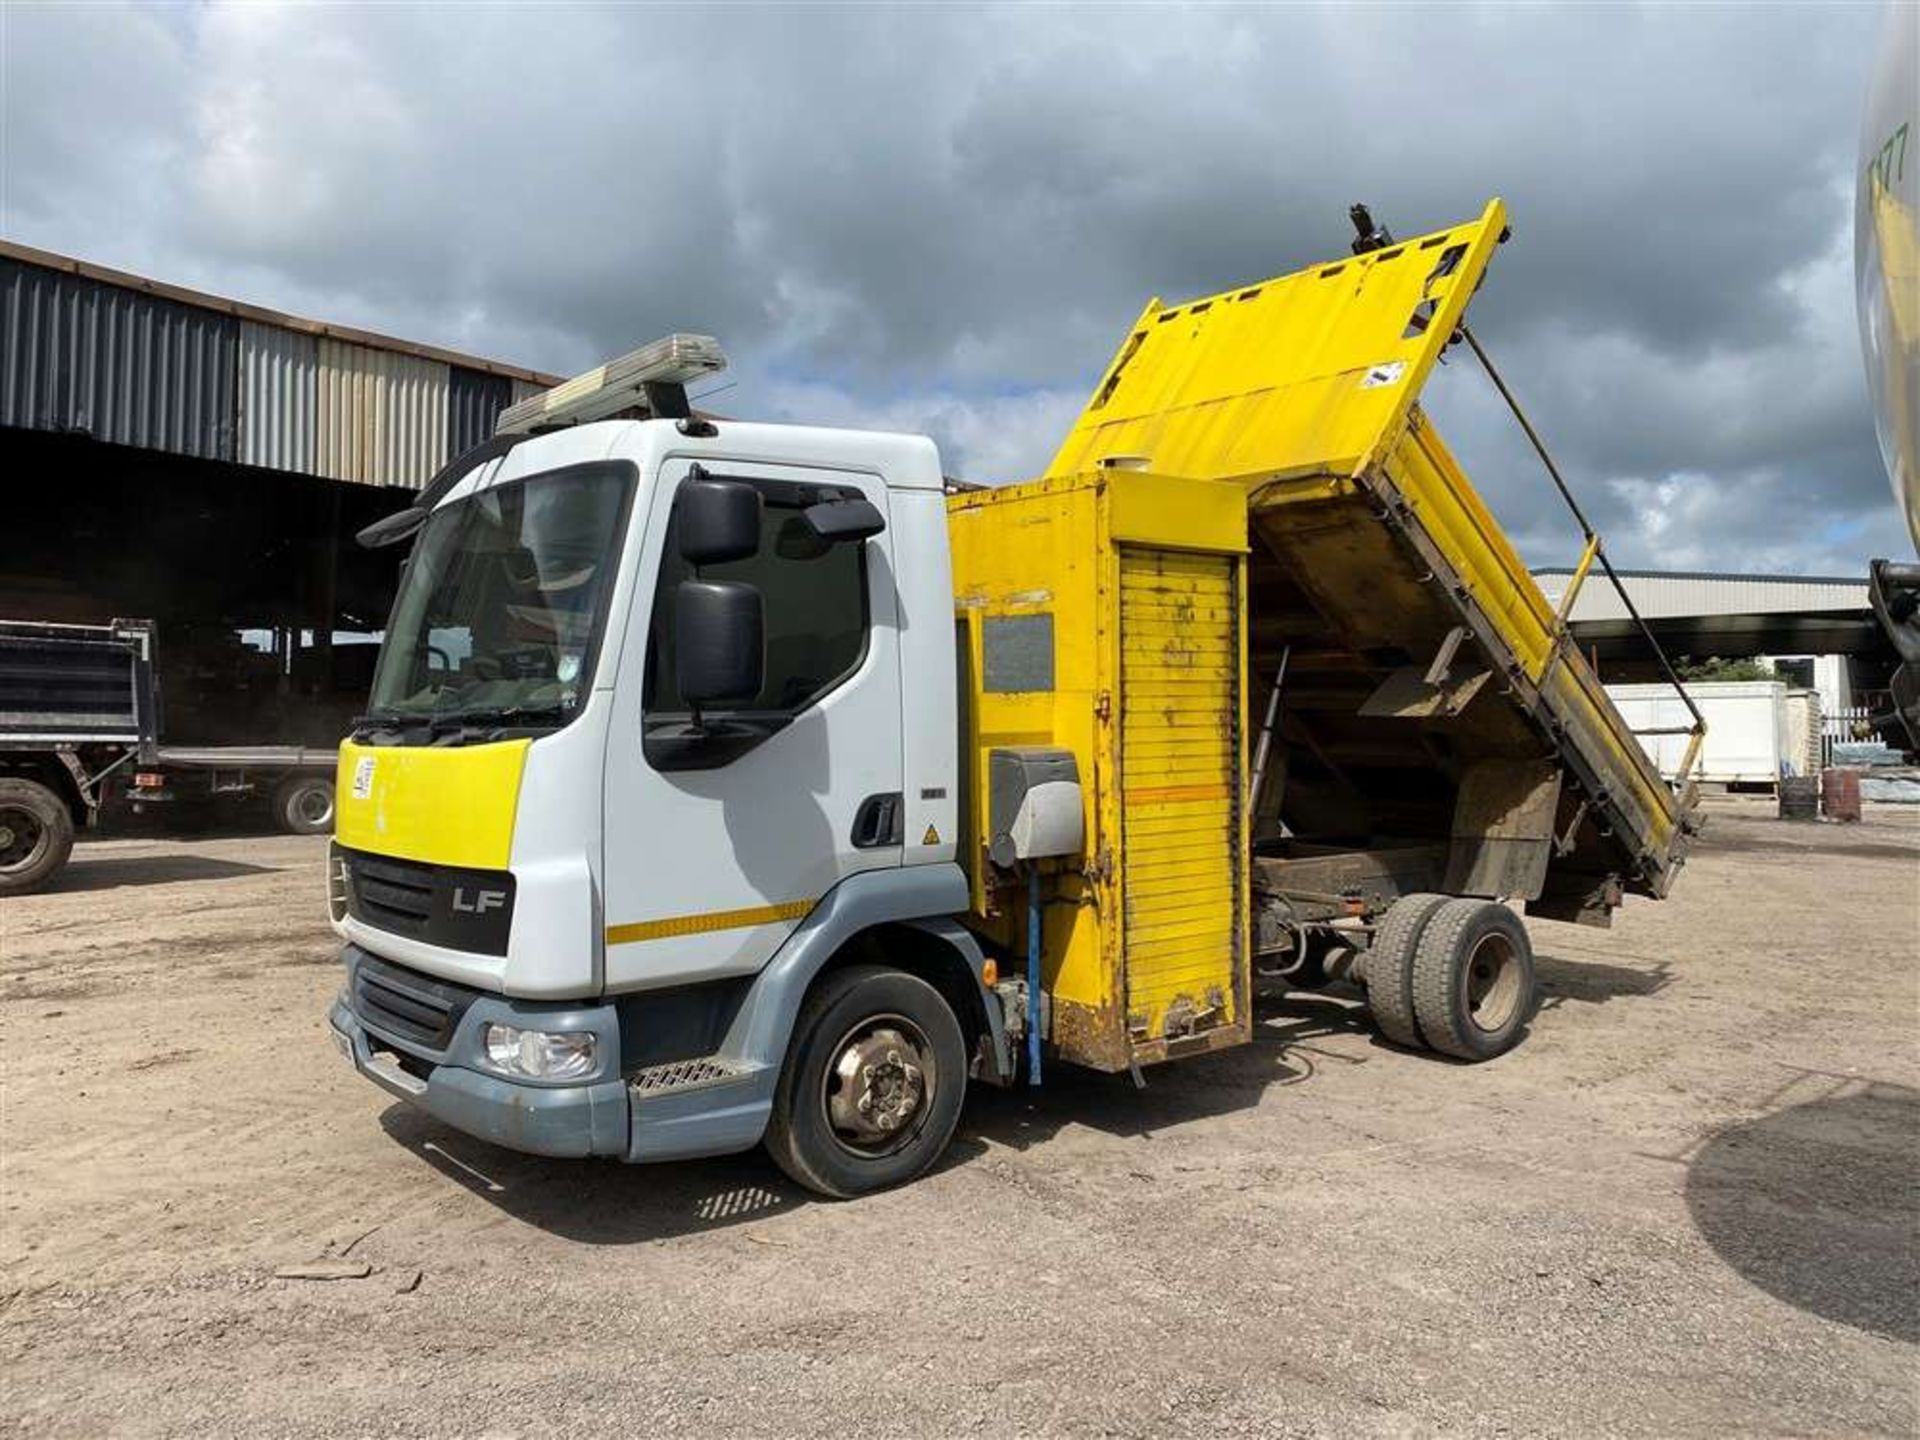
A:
x: 729, y: 784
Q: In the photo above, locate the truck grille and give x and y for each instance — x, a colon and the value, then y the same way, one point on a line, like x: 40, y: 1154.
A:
x: 445, y: 905
x: 396, y: 895
x: 406, y: 1006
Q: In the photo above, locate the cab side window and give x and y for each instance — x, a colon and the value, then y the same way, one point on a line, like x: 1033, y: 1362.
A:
x: 816, y: 617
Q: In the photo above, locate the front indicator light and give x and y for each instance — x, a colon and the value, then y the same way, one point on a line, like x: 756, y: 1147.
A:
x: 540, y: 1054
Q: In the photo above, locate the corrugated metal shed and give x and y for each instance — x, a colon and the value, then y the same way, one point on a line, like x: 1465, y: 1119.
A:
x: 474, y: 402
x: 279, y: 397
x: 240, y: 310
x: 1662, y: 595
x: 382, y: 416
x: 136, y: 362
x: 116, y: 364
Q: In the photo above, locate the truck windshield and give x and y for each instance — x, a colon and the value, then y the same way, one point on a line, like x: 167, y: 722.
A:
x: 499, y: 615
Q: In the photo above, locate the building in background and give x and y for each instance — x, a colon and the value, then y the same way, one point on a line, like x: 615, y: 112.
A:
x: 1815, y: 632
x: 204, y: 463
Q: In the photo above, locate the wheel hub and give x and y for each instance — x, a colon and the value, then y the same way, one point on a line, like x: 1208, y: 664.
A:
x: 882, y: 1085
x: 20, y: 838
x: 1493, y: 983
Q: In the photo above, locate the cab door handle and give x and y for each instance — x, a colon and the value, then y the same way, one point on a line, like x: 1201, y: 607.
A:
x: 877, y: 821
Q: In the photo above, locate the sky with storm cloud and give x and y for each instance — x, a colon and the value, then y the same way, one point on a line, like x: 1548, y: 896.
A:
x: 944, y: 218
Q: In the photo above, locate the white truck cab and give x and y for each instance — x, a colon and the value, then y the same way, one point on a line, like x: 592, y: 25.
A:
x: 664, y: 719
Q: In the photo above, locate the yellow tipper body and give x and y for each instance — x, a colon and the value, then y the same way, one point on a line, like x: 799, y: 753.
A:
x: 1252, y: 517
x: 1370, y: 547
x: 1137, y: 582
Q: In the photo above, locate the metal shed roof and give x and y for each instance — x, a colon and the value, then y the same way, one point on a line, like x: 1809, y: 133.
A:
x: 1668, y: 594
x: 133, y: 362
x: 260, y: 314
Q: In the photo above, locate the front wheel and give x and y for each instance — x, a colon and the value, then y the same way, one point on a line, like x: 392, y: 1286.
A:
x: 303, y: 804
x: 873, y: 1083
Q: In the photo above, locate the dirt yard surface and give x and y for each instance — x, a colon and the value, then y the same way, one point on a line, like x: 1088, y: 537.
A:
x: 1687, y: 1205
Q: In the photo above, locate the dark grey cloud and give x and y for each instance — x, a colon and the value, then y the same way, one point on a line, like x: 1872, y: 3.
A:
x: 942, y: 218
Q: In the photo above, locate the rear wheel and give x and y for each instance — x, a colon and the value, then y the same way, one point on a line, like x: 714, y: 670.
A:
x: 873, y: 1083
x: 36, y: 835
x: 303, y: 804
x: 1473, y: 981
x: 1388, y: 970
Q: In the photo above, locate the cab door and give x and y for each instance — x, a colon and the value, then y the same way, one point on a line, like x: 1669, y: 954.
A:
x: 724, y: 830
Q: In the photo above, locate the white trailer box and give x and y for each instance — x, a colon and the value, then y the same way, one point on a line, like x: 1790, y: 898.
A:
x: 1747, y: 741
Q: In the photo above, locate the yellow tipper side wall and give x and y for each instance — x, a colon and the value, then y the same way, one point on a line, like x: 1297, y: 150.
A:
x: 1457, y: 521
x: 1055, y: 548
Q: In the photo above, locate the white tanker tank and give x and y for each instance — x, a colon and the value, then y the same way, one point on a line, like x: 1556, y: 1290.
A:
x: 1886, y: 247
x: 1887, y: 253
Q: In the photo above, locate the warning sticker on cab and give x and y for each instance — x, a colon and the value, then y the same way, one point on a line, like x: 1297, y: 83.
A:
x: 363, y: 777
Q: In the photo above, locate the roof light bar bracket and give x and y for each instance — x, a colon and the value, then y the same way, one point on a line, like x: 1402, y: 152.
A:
x: 652, y: 380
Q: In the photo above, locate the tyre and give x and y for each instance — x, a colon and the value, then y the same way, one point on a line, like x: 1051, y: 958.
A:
x: 303, y: 804
x: 1473, y: 982
x: 873, y: 1083
x: 36, y: 835
x: 1388, y: 971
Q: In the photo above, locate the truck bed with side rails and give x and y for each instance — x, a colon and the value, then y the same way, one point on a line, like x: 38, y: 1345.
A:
x: 80, y: 724
x: 77, y: 706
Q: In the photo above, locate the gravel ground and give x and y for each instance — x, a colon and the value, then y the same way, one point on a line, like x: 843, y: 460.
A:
x: 1687, y: 1205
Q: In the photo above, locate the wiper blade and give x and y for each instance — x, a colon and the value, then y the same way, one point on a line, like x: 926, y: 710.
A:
x: 375, y: 719
x: 486, y: 715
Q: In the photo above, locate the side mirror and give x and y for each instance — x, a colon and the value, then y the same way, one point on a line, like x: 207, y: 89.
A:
x: 719, y: 641
x: 716, y: 521
x: 835, y: 521
x: 392, y: 529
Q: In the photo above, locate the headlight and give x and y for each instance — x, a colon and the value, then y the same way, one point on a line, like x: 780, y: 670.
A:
x: 540, y: 1054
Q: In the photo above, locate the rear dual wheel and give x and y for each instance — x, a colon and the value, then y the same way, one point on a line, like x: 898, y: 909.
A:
x: 1389, y: 968
x: 1473, y: 981
x: 1453, y: 975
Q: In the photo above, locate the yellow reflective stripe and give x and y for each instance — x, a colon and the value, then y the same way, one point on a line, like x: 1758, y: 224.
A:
x: 701, y: 924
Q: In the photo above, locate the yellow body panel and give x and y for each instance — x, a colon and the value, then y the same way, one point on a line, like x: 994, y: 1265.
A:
x: 439, y: 805
x: 1309, y: 373
x: 1157, y: 767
